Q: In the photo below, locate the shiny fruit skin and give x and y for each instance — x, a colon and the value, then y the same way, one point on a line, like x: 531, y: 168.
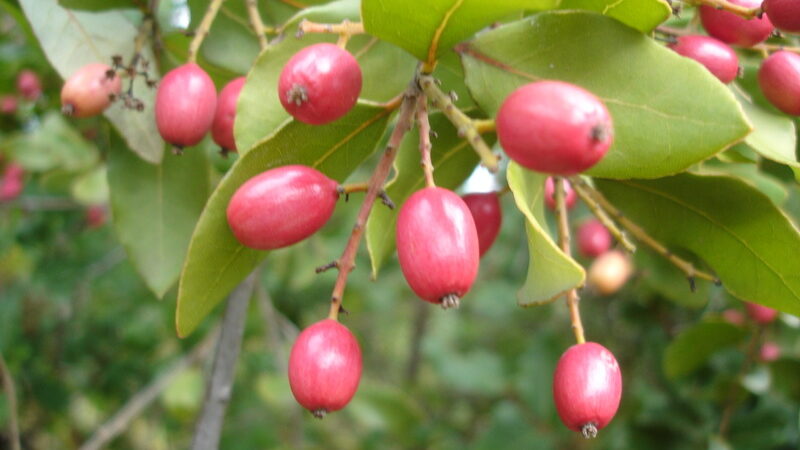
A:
x: 222, y: 127
x: 281, y: 207
x: 325, y: 367
x: 594, y: 239
x: 320, y: 84
x: 185, y: 104
x: 554, y: 127
x: 8, y: 104
x: 587, y: 387
x: 488, y: 216
x: 784, y: 14
x: 769, y: 352
x: 28, y: 85
x: 760, y: 314
x: 570, y: 197
x: 12, y: 182
x: 779, y: 78
x: 437, y: 245
x: 609, y: 272
x: 717, y: 56
x: 732, y: 29
x: 88, y: 91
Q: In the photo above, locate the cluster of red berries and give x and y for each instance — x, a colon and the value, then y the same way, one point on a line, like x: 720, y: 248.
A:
x: 29, y: 87
x: 762, y: 316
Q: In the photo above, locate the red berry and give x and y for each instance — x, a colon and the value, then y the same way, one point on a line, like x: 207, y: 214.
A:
x: 784, y: 14
x: 89, y: 91
x: 281, y: 206
x: 593, y: 239
x: 733, y: 316
x: 550, y: 194
x: 779, y: 78
x: 185, y: 105
x: 95, y: 216
x: 732, y: 29
x: 320, y: 84
x: 587, y: 386
x: 325, y: 367
x: 770, y: 352
x: 609, y: 272
x: 28, y: 85
x: 554, y: 127
x: 11, y: 183
x: 717, y: 56
x: 437, y: 245
x: 488, y: 216
x: 760, y: 314
x: 222, y: 128
x: 8, y: 104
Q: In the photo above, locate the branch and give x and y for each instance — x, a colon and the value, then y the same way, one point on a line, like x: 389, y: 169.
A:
x: 256, y: 23
x: 601, y: 215
x: 424, y: 127
x: 345, y: 29
x: 202, y: 30
x: 741, y: 11
x: 564, y: 242
x: 11, y: 399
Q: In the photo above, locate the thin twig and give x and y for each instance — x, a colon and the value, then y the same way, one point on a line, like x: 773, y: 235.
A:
x: 424, y: 127
x: 11, y: 400
x: 202, y: 30
x: 345, y: 28
x: 607, y: 222
x: 564, y: 242
x: 484, y: 125
x: 256, y: 23
x: 741, y: 11
x: 767, y: 48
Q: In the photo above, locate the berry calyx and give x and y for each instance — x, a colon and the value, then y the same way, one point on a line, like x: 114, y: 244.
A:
x: 488, y: 216
x: 761, y: 314
x: 570, y: 197
x: 325, y: 367
x: 587, y: 387
x: 784, y: 14
x: 554, y: 127
x: 320, y: 84
x: 609, y: 272
x: 8, y: 105
x: 12, y: 182
x: 222, y: 127
x: 281, y: 207
x: 28, y: 85
x: 90, y: 90
x: 717, y: 56
x: 437, y: 246
x: 779, y: 79
x: 185, y: 104
x: 593, y: 239
x: 732, y: 29
x: 769, y: 352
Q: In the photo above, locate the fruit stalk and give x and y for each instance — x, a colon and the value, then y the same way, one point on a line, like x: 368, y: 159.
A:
x: 345, y: 28
x: 741, y: 11
x: 564, y: 242
x: 256, y: 23
x: 202, y: 30
x: 769, y: 48
x: 484, y: 125
x: 601, y: 215
x: 424, y: 127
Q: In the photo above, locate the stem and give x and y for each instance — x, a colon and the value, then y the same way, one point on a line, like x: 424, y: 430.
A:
x: 767, y: 48
x: 750, y: 356
x: 349, y: 188
x: 424, y: 127
x: 601, y: 215
x: 145, y: 30
x: 345, y: 28
x: 202, y: 30
x: 462, y: 122
x: 256, y: 23
x: 484, y: 125
x: 421, y: 319
x: 564, y: 242
x: 741, y: 11
x: 11, y: 399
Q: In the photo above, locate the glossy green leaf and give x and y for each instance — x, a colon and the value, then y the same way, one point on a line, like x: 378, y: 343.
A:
x: 692, y: 348
x: 749, y: 173
x: 98, y: 5
x: 669, y: 283
x: 72, y: 39
x: 216, y: 261
x: 91, y: 188
x: 439, y: 25
x: 550, y: 272
x: 736, y: 230
x: 773, y: 136
x: 644, y: 15
x: 55, y: 144
x: 669, y: 112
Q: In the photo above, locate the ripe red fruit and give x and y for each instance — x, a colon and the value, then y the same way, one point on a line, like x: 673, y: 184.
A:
x: 760, y: 314
x: 325, y: 367
x: 11, y: 183
x: 784, y: 14
x: 320, y: 84
x: 550, y: 194
x: 95, y: 216
x: 732, y: 29
x: 770, y: 352
x: 554, y: 127
x: 8, y: 104
x: 281, y: 206
x: 28, y: 85
x: 587, y: 386
x: 222, y: 127
x: 779, y: 78
x: 717, y: 56
x: 437, y: 245
x: 185, y: 105
x: 488, y: 216
x: 733, y: 316
x: 593, y: 239
x: 89, y: 91
x: 609, y: 272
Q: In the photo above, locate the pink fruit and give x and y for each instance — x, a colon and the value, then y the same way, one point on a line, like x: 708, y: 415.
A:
x: 770, y: 352
x: 784, y: 14
x: 95, y: 216
x: 11, y: 183
x: 779, y: 78
x: 281, y: 206
x: 222, y: 127
x: 732, y: 29
x: 437, y: 246
x: 325, y: 367
x: 733, y: 316
x: 320, y: 84
x: 8, y: 104
x: 609, y: 272
x: 89, y: 91
x: 593, y: 239
x: 550, y: 194
x: 760, y: 314
x: 587, y: 386
x: 554, y: 127
x: 28, y: 84
x: 488, y: 216
x: 185, y: 104
x: 714, y: 54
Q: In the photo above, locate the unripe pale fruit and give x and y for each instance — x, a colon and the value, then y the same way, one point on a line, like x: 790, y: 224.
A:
x: 732, y: 29
x: 185, y: 104
x: 8, y: 104
x: 609, y: 272
x: 769, y: 352
x: 760, y: 314
x: 28, y: 84
x: 222, y: 127
x: 784, y: 14
x: 593, y: 239
x: 587, y: 387
x: 11, y: 183
x: 488, y: 216
x: 437, y: 245
x: 550, y: 194
x: 325, y: 367
x: 320, y: 84
x: 733, y: 316
x: 717, y: 56
x: 89, y: 91
x: 779, y: 78
x: 554, y: 127
x: 281, y: 206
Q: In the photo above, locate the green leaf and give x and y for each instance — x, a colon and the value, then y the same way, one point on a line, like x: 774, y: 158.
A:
x: 663, y: 278
x: 436, y: 27
x: 453, y: 159
x: 55, y: 144
x: 98, y: 5
x: 155, y: 208
x: 774, y: 134
x: 692, y: 348
x: 669, y: 112
x: 749, y: 243
x: 216, y: 261
x: 91, y: 188
x: 72, y: 39
x: 749, y: 173
x: 551, y: 273
x: 644, y: 15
